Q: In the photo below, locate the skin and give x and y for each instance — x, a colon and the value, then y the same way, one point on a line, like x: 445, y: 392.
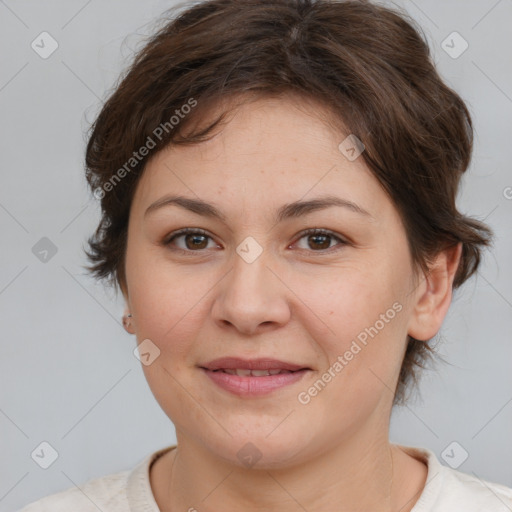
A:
x: 303, y: 300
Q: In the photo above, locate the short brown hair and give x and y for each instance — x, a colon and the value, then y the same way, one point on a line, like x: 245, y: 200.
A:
x: 366, y: 63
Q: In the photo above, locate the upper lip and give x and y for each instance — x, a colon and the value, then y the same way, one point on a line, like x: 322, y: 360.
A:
x: 251, y: 364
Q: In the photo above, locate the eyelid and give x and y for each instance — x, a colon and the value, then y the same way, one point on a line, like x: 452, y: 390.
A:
x: 321, y: 231
x: 184, y: 231
x: 310, y: 231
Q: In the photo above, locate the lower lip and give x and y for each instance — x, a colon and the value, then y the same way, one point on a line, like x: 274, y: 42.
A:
x: 253, y: 386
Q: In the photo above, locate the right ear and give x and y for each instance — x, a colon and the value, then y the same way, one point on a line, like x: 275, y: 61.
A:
x: 128, y: 322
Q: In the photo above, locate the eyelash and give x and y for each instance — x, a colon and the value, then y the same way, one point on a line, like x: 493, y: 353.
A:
x: 312, y: 231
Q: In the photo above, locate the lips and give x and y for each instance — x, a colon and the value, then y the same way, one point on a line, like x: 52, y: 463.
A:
x: 253, y: 378
x: 243, y: 372
x: 254, y: 367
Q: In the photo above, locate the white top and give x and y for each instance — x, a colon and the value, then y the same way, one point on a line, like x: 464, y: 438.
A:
x: 446, y: 490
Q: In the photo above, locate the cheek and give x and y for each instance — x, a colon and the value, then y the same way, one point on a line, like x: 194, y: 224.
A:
x: 345, y: 301
x: 359, y: 326
x: 165, y: 297
x: 168, y: 304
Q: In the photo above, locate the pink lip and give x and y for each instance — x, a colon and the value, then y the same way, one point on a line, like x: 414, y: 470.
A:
x: 253, y: 386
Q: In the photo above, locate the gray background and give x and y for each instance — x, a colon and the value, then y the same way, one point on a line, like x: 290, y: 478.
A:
x: 67, y: 372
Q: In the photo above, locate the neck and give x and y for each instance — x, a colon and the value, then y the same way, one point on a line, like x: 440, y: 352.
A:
x: 356, y: 475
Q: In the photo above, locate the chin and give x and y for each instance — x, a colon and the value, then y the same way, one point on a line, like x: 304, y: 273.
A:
x: 256, y: 449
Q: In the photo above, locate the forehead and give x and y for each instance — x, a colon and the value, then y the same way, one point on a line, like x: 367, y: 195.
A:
x: 269, y: 152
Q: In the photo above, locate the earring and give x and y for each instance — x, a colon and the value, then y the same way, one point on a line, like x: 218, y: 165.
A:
x: 126, y: 320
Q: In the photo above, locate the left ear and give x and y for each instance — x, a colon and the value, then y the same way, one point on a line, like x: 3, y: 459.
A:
x: 434, y: 295
x: 128, y: 322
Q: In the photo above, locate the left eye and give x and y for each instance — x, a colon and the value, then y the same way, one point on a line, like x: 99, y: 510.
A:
x: 196, y: 239
x: 321, y: 237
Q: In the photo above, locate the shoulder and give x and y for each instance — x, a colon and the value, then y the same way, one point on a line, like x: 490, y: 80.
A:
x: 472, y: 493
x: 103, y: 493
x: 449, y: 490
x: 118, y: 492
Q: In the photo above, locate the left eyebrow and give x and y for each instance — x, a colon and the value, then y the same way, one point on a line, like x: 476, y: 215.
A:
x: 299, y: 208
x: 287, y: 211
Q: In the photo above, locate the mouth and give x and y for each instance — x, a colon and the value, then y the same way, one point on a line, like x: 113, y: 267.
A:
x: 263, y: 364
x: 244, y: 372
x: 256, y: 377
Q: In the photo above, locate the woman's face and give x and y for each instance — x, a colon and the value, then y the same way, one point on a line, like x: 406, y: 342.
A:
x: 254, y: 286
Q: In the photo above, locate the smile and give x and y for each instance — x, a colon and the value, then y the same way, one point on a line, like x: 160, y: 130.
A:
x: 243, y: 372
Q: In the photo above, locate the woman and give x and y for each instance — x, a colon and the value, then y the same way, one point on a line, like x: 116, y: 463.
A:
x: 278, y: 183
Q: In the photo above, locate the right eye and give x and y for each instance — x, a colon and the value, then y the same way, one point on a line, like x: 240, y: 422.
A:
x: 195, y: 239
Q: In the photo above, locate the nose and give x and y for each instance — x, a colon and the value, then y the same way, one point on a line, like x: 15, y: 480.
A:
x: 252, y: 297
